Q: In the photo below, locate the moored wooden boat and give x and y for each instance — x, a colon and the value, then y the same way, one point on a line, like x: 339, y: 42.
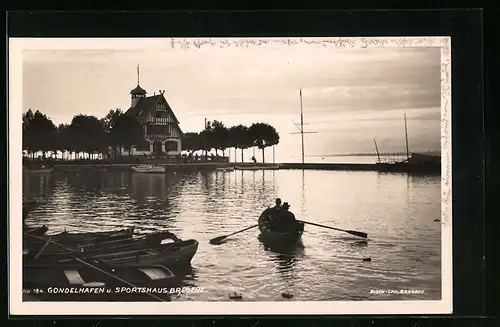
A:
x: 41, y: 170
x: 74, y: 239
x: 80, y: 282
x: 37, y: 231
x: 107, y: 245
x: 415, y: 163
x: 88, y: 237
x: 273, y: 239
x: 149, y: 169
x: 171, y: 254
x: 224, y: 168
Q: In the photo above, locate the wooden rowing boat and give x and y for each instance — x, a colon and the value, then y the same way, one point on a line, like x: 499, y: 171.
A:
x: 76, y: 281
x: 110, y: 245
x: 224, y: 169
x: 171, y: 254
x: 281, y: 239
x: 90, y: 237
x: 154, y: 169
x: 68, y: 275
x: 37, y: 231
x: 39, y: 171
x: 75, y: 239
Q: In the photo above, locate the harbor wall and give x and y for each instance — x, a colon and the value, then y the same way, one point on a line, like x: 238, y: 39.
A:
x: 201, y: 166
x: 330, y: 166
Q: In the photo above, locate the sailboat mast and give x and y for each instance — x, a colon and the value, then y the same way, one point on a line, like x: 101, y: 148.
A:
x: 302, y: 125
x: 406, y: 134
x: 376, y: 149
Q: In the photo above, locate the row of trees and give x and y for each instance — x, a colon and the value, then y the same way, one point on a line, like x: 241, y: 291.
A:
x: 219, y: 137
x: 85, y: 134
x: 116, y: 131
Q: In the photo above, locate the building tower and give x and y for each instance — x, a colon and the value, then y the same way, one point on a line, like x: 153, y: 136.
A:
x: 138, y: 93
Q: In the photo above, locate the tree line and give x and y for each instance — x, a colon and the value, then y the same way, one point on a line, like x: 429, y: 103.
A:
x: 217, y: 136
x: 107, y: 136
x: 85, y: 134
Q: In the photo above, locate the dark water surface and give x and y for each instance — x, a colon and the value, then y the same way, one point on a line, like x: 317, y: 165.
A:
x: 397, y: 211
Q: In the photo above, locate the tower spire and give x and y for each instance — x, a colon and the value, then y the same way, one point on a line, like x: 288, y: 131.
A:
x: 138, y: 74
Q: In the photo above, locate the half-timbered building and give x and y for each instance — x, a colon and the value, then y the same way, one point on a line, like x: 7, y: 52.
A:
x: 162, y: 133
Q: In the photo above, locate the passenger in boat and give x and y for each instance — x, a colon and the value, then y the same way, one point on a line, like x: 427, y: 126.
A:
x: 284, y: 220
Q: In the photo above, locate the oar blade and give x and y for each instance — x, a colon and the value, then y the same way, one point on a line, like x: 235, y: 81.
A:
x: 218, y: 240
x: 356, y: 233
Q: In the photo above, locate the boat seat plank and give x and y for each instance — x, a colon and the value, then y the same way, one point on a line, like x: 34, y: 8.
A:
x: 155, y: 273
x: 74, y: 277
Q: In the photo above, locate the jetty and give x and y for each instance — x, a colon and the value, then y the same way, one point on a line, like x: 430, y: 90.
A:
x: 330, y: 166
x: 208, y: 166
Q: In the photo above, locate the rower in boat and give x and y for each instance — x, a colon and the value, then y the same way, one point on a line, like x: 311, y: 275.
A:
x: 277, y: 206
x: 284, y: 220
x: 270, y: 212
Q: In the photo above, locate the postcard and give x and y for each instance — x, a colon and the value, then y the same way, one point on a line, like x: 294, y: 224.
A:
x: 246, y: 176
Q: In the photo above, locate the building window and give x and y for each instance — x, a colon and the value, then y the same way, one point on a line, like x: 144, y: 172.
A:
x: 161, y: 121
x: 171, y: 146
x: 161, y: 114
x: 156, y: 130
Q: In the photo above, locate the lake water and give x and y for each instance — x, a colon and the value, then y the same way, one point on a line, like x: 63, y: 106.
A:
x: 397, y: 212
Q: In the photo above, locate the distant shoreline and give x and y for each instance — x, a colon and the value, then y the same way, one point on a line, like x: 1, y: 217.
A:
x: 370, y: 154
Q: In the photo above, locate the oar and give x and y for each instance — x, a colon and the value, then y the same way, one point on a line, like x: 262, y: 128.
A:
x: 111, y: 234
x: 352, y: 232
x: 71, y: 252
x: 219, y: 239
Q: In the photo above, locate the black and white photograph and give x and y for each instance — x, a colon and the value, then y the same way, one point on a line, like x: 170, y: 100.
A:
x: 230, y: 176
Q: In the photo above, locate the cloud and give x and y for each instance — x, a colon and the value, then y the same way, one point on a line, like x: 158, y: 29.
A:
x: 349, y: 88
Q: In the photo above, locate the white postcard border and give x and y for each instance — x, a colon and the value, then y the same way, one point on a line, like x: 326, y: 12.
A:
x: 18, y: 307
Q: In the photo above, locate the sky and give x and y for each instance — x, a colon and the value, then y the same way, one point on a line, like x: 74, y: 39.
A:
x: 350, y: 95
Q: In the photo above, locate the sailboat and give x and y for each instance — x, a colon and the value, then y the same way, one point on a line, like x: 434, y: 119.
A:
x: 414, y: 162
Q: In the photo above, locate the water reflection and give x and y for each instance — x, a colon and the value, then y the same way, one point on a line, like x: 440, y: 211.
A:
x: 396, y: 211
x: 37, y: 186
x: 285, y: 263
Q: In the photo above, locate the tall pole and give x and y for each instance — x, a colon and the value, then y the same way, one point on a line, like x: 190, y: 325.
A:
x: 302, y: 125
x: 205, y: 140
x: 273, y: 154
x: 301, y: 128
x: 406, y: 134
x: 376, y: 149
x: 137, y: 74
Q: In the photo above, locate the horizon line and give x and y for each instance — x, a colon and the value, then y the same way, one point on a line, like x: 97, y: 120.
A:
x: 369, y: 154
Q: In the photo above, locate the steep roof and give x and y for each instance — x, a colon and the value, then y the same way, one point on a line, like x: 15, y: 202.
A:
x: 145, y: 105
x: 138, y: 90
